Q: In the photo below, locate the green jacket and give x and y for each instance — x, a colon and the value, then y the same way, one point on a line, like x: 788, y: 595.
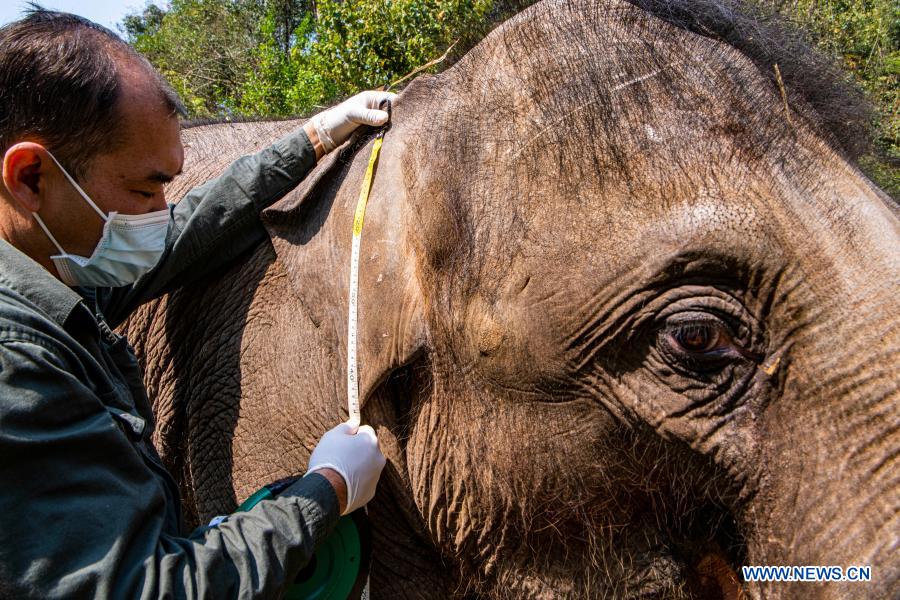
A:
x: 87, y: 509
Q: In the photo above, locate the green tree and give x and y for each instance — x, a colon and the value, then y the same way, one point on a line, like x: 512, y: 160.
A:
x: 281, y: 57
x: 865, y: 35
x: 144, y: 23
x: 340, y: 47
x: 203, y: 47
x: 280, y: 80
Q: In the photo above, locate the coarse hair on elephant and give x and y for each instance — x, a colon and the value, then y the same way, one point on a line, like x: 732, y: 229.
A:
x: 628, y: 318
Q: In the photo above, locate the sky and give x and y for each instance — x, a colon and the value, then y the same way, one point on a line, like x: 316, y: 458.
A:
x: 108, y: 13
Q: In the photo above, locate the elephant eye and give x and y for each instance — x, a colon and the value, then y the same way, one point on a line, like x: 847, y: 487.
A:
x: 698, y: 337
x: 699, y: 343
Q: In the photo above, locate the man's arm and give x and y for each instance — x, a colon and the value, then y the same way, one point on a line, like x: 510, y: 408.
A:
x: 217, y: 221
x: 84, y: 512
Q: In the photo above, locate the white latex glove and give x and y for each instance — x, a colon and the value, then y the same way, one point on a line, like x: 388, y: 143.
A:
x: 355, y: 456
x: 336, y: 124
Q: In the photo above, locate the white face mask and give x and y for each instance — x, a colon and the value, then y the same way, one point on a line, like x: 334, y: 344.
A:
x: 130, y: 246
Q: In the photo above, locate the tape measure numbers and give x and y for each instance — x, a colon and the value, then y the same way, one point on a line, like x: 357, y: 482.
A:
x: 352, y: 316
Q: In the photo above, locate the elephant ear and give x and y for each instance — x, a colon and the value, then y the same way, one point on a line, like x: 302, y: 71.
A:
x: 284, y: 216
x: 311, y: 232
x: 297, y: 228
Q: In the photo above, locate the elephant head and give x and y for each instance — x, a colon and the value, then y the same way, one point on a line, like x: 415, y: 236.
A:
x: 627, y: 322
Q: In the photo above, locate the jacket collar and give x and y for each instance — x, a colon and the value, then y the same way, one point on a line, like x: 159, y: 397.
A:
x: 35, y: 283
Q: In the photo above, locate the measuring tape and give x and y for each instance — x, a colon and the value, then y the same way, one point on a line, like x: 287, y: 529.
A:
x: 352, y: 316
x: 353, y: 411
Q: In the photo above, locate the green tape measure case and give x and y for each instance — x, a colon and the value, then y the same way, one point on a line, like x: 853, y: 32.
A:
x: 339, y: 568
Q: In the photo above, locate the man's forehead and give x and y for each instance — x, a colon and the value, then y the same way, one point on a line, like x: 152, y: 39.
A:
x: 141, y: 97
x: 150, y: 135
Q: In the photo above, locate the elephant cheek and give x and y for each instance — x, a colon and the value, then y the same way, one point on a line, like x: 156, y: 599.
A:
x: 525, y: 460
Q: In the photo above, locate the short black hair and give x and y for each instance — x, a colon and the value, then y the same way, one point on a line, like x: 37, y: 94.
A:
x: 59, y: 85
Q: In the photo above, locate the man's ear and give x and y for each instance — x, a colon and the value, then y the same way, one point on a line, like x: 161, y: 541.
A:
x: 24, y: 166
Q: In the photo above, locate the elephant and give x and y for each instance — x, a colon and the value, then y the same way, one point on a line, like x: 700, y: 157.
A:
x: 627, y: 318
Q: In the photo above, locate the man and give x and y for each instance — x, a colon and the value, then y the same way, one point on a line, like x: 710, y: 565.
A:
x: 89, y: 135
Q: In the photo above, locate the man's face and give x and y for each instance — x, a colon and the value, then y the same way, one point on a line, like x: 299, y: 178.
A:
x: 129, y: 178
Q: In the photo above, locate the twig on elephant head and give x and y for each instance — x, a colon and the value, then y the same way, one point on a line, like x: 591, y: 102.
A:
x: 780, y: 81
x: 425, y: 66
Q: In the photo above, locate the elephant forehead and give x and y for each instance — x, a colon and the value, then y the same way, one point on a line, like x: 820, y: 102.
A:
x: 591, y: 248
x: 568, y: 267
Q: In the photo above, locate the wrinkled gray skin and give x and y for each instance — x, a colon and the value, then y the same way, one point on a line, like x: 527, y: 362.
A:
x: 624, y: 328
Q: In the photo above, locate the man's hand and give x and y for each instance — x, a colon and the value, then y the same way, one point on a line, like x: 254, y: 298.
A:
x: 333, y: 126
x: 355, y: 457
